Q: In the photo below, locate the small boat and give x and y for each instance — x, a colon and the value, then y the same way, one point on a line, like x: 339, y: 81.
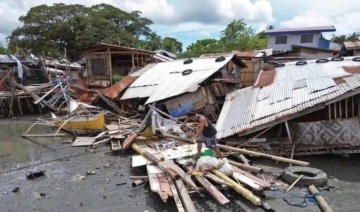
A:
x: 83, y: 122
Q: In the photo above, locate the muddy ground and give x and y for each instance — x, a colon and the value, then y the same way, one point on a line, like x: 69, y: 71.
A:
x: 109, y: 189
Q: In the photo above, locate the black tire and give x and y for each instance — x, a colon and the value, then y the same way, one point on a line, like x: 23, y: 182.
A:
x: 300, y: 63
x: 322, y: 60
x: 337, y: 59
x: 219, y: 59
x: 188, y: 61
x: 277, y: 65
x: 311, y: 176
x: 356, y: 59
x: 187, y: 72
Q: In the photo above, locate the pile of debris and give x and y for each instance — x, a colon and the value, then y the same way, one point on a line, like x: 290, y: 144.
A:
x: 165, y: 147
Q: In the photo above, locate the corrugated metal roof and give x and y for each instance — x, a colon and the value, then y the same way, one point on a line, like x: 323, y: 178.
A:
x: 300, y: 30
x: 265, y: 78
x: 295, y: 89
x: 352, y: 44
x: 166, y: 79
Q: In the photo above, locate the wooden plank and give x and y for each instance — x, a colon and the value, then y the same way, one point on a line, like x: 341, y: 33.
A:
x: 216, y: 179
x: 158, y: 182
x: 139, y: 160
x: 83, y: 141
x: 176, y: 195
x: 172, y: 168
x: 258, y: 180
x: 246, y: 180
x: 184, y: 196
x: 212, y: 190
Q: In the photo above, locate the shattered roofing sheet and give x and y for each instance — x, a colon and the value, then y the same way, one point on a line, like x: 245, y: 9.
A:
x: 114, y: 91
x: 295, y: 89
x: 166, y: 79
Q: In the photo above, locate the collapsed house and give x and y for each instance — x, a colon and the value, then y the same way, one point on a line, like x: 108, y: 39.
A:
x: 305, y: 107
x: 187, y: 85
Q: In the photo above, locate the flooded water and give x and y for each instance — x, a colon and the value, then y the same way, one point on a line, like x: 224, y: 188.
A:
x: 15, y: 149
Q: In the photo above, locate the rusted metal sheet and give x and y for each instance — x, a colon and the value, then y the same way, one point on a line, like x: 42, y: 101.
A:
x: 352, y: 45
x: 352, y: 69
x: 114, y: 91
x: 265, y: 78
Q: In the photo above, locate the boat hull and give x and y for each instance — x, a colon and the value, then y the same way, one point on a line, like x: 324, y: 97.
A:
x: 95, y: 122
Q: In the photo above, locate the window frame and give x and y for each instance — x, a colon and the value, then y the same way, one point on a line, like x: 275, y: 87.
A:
x: 305, y: 38
x: 280, y: 41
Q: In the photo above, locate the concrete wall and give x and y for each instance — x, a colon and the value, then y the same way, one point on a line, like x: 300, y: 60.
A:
x: 292, y: 40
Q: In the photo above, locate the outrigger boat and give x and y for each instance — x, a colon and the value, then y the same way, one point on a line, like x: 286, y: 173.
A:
x: 82, y: 119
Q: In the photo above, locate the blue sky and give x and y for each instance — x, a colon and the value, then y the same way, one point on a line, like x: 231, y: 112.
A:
x: 189, y: 21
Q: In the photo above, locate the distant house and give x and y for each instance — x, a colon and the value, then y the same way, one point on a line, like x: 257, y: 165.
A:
x: 351, y: 48
x: 104, y: 61
x: 281, y: 40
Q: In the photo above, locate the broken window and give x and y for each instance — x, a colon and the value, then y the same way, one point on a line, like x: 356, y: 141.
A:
x: 281, y: 39
x: 306, y: 39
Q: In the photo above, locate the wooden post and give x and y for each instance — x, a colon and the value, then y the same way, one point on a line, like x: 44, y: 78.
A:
x: 291, y: 141
x: 277, y: 158
x: 346, y: 107
x: 329, y: 108
x: 320, y: 199
x: 340, y: 109
x: 352, y: 106
x: 248, y: 141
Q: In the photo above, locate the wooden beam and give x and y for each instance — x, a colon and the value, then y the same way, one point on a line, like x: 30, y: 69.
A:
x: 212, y: 190
x: 184, y: 196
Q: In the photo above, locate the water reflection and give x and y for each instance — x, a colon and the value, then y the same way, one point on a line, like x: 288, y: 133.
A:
x: 16, y: 149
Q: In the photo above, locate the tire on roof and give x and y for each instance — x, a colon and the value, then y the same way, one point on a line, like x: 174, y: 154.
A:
x: 311, y: 176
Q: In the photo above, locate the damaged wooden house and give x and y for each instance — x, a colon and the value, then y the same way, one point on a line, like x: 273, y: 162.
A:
x: 185, y: 85
x: 299, y: 108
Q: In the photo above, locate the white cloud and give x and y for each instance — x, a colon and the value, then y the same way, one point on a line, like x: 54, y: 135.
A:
x: 342, y: 14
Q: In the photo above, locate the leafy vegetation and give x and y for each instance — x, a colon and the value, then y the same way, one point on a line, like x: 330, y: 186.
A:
x: 52, y: 30
x: 342, y: 38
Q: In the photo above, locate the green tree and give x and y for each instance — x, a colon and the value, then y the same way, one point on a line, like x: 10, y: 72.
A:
x: 48, y: 30
x: 153, y: 41
x: 355, y: 36
x: 238, y: 36
x: 172, y: 45
x: 3, y: 50
x: 201, y: 47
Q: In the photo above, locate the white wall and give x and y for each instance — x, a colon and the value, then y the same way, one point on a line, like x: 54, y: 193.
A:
x: 292, y: 40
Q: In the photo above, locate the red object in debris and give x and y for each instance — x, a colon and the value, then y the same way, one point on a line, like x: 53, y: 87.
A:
x: 131, y: 138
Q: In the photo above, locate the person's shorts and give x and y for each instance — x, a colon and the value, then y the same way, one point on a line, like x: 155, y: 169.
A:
x: 210, y: 142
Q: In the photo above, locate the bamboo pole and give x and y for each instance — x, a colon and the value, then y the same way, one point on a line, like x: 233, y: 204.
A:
x: 247, y: 167
x: 320, y: 199
x: 239, y: 188
x: 277, y: 158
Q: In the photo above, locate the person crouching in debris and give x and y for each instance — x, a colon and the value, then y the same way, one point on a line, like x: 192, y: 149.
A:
x: 205, y: 133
